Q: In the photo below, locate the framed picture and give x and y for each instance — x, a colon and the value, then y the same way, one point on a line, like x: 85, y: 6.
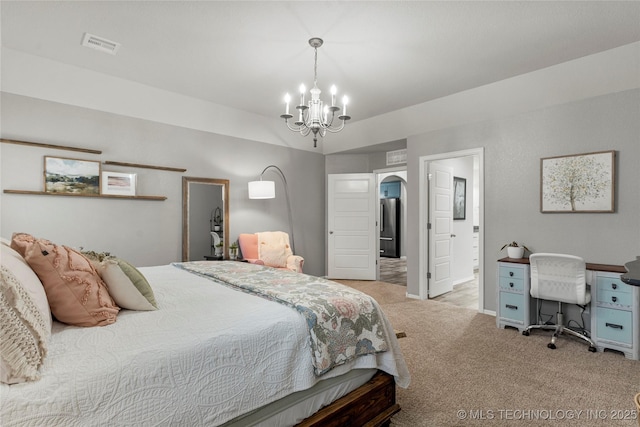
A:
x: 459, y: 198
x: 71, y: 176
x: 120, y: 184
x: 578, y: 183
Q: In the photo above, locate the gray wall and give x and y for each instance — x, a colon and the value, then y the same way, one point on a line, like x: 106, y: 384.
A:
x: 513, y: 149
x: 149, y: 232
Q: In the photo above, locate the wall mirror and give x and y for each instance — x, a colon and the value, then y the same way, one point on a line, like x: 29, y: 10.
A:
x: 205, y: 209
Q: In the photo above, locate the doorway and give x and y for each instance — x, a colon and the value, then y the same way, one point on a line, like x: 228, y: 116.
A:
x: 467, y: 231
x: 392, y: 195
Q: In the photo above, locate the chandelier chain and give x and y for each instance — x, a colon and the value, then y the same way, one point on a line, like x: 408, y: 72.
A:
x: 315, y: 67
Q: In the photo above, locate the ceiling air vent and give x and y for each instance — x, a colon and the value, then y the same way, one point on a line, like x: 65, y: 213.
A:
x: 397, y: 157
x: 99, y: 43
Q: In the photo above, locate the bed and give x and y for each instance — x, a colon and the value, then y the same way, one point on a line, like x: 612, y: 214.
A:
x: 211, y: 354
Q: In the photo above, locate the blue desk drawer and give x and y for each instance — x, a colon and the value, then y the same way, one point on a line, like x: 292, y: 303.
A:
x: 512, y: 284
x: 512, y: 306
x: 605, y: 283
x: 614, y: 325
x: 511, y: 272
x: 617, y: 298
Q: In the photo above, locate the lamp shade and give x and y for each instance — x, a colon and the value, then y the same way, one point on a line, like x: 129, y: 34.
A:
x: 262, y: 190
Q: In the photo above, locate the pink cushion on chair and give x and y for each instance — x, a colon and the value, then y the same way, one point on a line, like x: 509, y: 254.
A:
x: 248, y: 246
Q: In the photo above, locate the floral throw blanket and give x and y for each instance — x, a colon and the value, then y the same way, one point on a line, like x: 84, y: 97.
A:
x: 343, y: 322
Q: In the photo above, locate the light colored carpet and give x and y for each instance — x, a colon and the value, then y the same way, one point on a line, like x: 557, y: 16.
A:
x: 465, y: 371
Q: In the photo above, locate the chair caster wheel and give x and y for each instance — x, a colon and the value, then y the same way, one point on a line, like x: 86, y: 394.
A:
x: 525, y: 333
x: 552, y: 346
x: 593, y: 349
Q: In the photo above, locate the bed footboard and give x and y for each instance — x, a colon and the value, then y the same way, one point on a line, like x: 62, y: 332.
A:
x: 371, y: 405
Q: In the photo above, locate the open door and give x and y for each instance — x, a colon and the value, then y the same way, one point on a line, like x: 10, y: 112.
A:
x: 351, y: 217
x: 439, y: 229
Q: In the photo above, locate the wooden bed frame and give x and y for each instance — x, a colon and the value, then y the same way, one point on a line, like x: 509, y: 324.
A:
x: 371, y: 405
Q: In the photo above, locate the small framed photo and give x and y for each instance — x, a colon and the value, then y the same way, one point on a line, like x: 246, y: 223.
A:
x: 578, y: 183
x: 71, y: 176
x: 118, y: 184
x: 459, y: 198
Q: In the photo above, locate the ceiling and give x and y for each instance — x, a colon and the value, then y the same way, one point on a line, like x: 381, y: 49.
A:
x: 385, y: 55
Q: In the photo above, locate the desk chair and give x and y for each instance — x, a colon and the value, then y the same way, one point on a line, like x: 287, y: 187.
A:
x: 561, y: 278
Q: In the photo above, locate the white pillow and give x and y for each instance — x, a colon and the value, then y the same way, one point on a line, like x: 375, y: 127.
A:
x: 128, y: 292
x: 25, y: 320
x: 127, y: 286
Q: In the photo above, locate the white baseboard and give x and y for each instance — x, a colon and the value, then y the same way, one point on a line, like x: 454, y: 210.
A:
x: 457, y: 282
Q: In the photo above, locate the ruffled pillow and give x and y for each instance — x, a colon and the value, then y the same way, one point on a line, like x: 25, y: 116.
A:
x: 76, y: 293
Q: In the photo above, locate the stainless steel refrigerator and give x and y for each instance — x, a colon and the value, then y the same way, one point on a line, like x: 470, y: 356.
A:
x: 390, y: 227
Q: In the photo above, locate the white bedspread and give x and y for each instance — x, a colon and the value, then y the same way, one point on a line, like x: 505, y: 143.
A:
x: 206, y: 356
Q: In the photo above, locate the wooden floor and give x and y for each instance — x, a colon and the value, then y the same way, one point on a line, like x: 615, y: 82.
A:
x: 394, y: 270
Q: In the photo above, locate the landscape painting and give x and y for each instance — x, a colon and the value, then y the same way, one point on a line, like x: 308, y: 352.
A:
x: 119, y: 184
x: 71, y: 176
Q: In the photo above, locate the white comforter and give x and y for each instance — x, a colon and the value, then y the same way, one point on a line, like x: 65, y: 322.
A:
x: 206, y: 356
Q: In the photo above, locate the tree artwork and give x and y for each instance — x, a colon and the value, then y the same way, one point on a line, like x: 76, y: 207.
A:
x: 579, y: 183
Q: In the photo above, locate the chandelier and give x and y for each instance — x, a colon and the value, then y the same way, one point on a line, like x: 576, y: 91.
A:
x: 315, y: 116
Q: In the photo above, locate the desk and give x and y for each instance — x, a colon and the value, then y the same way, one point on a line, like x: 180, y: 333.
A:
x: 614, y: 308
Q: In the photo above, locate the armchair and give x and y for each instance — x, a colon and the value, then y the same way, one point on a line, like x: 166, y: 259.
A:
x: 270, y: 248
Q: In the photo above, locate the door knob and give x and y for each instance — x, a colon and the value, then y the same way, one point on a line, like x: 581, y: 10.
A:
x: 453, y: 235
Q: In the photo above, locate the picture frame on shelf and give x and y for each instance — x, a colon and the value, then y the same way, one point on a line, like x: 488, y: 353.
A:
x: 118, y: 184
x: 459, y: 198
x: 64, y: 175
x: 578, y: 183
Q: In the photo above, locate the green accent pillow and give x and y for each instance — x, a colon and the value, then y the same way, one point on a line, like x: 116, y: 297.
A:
x: 127, y: 286
x: 139, y: 281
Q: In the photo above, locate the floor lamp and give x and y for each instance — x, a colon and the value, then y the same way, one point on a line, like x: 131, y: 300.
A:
x: 267, y: 190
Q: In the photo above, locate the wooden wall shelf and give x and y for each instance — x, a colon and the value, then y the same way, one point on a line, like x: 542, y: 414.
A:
x: 56, y: 147
x: 136, y: 165
x: 104, y: 196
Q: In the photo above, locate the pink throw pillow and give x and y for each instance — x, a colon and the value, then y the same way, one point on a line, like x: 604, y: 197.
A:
x: 76, y: 293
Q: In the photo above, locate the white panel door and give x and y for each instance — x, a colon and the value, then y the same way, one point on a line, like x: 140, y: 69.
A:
x: 441, y: 220
x: 351, y: 218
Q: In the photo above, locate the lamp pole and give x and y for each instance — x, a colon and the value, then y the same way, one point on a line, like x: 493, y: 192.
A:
x: 286, y: 193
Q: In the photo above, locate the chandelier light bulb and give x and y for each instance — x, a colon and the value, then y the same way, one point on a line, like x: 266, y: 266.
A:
x: 334, y: 90
x: 345, y: 101
x: 287, y: 99
x: 302, y: 91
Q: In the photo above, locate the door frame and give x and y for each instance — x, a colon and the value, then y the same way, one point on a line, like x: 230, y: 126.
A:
x: 385, y: 171
x: 423, y: 217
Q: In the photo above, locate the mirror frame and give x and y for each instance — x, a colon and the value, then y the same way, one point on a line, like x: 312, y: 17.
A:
x: 186, y: 180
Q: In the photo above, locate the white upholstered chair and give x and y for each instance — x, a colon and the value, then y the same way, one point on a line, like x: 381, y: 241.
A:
x: 251, y: 246
x: 561, y: 278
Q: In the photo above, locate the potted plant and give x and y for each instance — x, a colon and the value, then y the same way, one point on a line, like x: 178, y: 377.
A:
x: 233, y: 251
x: 219, y: 248
x: 217, y: 219
x: 515, y: 250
